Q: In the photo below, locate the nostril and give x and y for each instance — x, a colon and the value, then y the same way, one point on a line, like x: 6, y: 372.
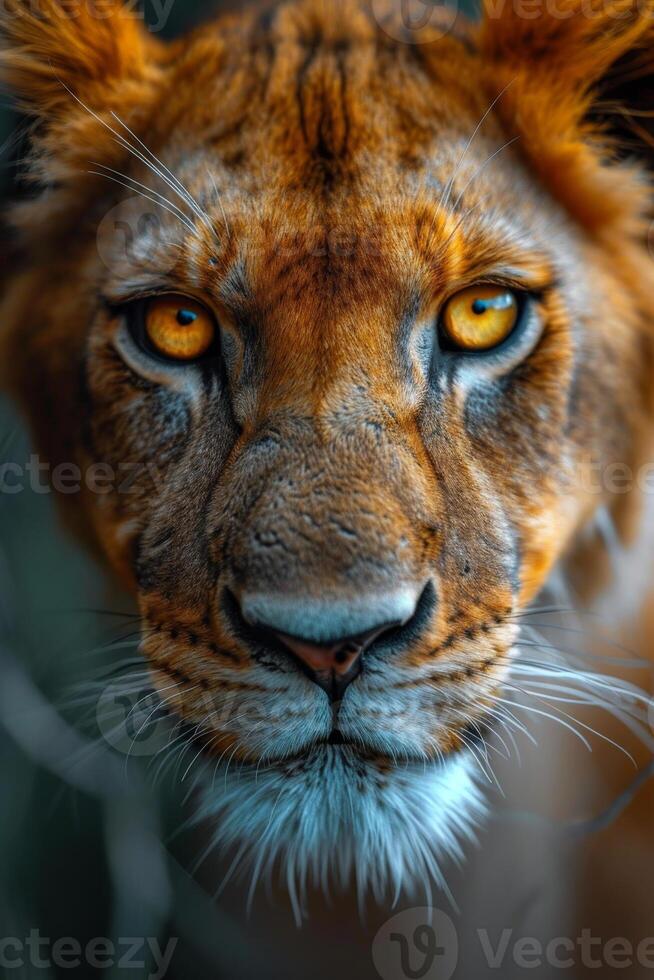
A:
x: 338, y: 657
x: 341, y: 656
x: 327, y: 638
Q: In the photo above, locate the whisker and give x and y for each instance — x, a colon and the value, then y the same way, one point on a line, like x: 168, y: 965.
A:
x: 181, y: 189
x: 139, y: 184
x: 161, y: 170
x: 569, y: 656
x: 552, y: 717
x: 481, y: 169
x: 75, y: 610
x: 592, y: 635
x: 450, y: 184
x: 220, y: 201
x: 532, y: 610
x: 146, y: 197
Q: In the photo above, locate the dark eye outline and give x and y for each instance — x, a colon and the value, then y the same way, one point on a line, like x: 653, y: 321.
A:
x: 448, y: 346
x: 134, y: 313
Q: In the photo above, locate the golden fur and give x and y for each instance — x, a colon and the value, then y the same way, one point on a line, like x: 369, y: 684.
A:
x: 340, y: 185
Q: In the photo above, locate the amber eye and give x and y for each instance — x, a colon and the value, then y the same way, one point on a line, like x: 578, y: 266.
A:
x: 480, y: 317
x: 178, y: 327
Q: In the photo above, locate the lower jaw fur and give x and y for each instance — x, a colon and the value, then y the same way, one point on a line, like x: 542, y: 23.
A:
x: 331, y: 818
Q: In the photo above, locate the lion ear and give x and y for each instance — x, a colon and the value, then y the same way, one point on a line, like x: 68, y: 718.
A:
x: 578, y: 81
x: 52, y: 49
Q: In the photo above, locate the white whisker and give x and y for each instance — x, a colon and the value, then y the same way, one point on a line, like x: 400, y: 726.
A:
x: 163, y: 170
x: 139, y: 188
x: 450, y: 184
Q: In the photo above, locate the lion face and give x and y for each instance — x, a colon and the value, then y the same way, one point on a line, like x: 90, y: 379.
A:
x: 359, y: 360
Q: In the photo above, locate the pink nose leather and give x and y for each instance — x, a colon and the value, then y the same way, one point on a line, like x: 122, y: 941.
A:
x: 338, y: 658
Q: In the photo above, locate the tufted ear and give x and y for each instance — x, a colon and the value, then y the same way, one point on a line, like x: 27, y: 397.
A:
x: 89, y: 47
x: 71, y: 64
x: 579, y: 78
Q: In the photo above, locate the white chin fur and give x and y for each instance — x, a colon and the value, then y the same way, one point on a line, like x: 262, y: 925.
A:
x: 331, y: 818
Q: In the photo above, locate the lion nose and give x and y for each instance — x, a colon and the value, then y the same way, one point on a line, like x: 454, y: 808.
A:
x: 338, y: 658
x: 329, y: 637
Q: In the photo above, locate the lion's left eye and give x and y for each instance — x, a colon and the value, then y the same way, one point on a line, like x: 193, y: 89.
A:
x: 178, y: 327
x: 480, y: 317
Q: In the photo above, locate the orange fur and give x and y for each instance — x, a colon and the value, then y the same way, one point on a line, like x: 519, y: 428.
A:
x: 339, y: 187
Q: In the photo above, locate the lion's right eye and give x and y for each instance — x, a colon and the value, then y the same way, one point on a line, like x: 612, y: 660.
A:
x: 177, y: 327
x: 480, y: 317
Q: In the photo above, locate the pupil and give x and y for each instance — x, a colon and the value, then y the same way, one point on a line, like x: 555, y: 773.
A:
x: 504, y: 301
x: 186, y: 317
